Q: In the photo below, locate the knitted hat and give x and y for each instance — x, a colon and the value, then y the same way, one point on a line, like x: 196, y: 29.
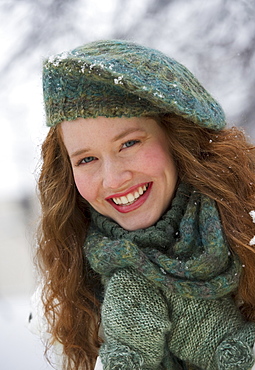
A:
x: 120, y: 78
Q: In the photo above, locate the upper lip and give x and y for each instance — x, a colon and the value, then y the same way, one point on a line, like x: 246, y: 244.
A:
x: 130, y: 190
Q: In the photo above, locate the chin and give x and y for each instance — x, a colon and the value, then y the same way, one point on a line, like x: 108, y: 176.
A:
x: 136, y: 225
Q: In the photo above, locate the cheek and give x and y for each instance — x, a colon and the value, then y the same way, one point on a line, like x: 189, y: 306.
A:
x: 85, y: 187
x: 158, y: 162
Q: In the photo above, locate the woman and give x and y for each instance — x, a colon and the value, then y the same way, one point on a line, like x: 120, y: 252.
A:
x: 146, y: 215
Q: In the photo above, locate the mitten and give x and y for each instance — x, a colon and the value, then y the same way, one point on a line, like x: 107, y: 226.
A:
x: 211, y: 334
x: 135, y: 322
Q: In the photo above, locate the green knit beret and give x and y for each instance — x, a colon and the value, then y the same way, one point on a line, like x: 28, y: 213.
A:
x: 120, y: 78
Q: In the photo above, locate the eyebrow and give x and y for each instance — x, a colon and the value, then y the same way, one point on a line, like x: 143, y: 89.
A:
x: 78, y: 152
x: 127, y: 132
x: 116, y: 138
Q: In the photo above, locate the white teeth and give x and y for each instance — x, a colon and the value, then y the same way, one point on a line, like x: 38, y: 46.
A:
x: 136, y: 195
x: 140, y: 190
x: 124, y: 200
x: 116, y: 200
x: 131, y: 198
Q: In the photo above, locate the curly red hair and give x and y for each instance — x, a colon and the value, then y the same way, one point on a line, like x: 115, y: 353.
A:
x: 220, y: 164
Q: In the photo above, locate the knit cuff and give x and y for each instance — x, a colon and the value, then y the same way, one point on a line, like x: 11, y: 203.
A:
x: 121, y: 357
x: 234, y: 354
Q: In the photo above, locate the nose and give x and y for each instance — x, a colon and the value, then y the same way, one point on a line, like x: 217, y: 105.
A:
x: 115, y: 174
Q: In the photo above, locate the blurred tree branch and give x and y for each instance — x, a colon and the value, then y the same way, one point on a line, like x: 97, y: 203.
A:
x: 215, y: 39
x: 45, y: 20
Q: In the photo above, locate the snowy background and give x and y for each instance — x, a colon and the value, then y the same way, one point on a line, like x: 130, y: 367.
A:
x: 215, y: 39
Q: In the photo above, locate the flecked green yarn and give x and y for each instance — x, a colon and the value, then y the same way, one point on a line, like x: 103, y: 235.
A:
x: 162, y: 328
x: 132, y: 327
x: 234, y: 354
x: 185, y: 252
x: 120, y: 78
x: 120, y: 357
x: 214, y: 331
x: 161, y: 299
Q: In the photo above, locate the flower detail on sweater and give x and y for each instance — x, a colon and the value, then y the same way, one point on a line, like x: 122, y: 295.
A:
x: 167, y: 302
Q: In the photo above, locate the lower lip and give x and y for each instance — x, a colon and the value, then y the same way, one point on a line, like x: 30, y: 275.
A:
x: 138, y: 203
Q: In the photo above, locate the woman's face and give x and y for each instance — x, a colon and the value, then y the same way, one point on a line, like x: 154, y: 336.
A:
x: 122, y: 167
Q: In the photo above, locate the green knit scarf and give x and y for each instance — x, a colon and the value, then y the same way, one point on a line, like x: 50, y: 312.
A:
x: 150, y: 321
x: 185, y: 252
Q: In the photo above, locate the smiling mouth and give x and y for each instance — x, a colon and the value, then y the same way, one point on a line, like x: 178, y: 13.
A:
x: 132, y: 197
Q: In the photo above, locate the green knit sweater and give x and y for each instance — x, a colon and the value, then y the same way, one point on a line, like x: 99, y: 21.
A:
x: 167, y: 301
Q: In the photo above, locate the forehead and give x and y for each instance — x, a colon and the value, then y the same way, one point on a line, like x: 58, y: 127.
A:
x: 83, y: 134
x: 107, y: 126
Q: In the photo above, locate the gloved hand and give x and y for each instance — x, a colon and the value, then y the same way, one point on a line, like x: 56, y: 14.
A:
x: 146, y: 329
x: 210, y: 333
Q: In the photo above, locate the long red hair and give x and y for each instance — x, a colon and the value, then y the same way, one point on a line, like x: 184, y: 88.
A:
x: 220, y: 164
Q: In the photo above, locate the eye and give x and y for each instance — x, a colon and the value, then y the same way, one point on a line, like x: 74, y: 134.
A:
x: 86, y: 160
x: 129, y: 143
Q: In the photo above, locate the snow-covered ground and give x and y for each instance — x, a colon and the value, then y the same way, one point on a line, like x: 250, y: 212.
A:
x: 19, y: 348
